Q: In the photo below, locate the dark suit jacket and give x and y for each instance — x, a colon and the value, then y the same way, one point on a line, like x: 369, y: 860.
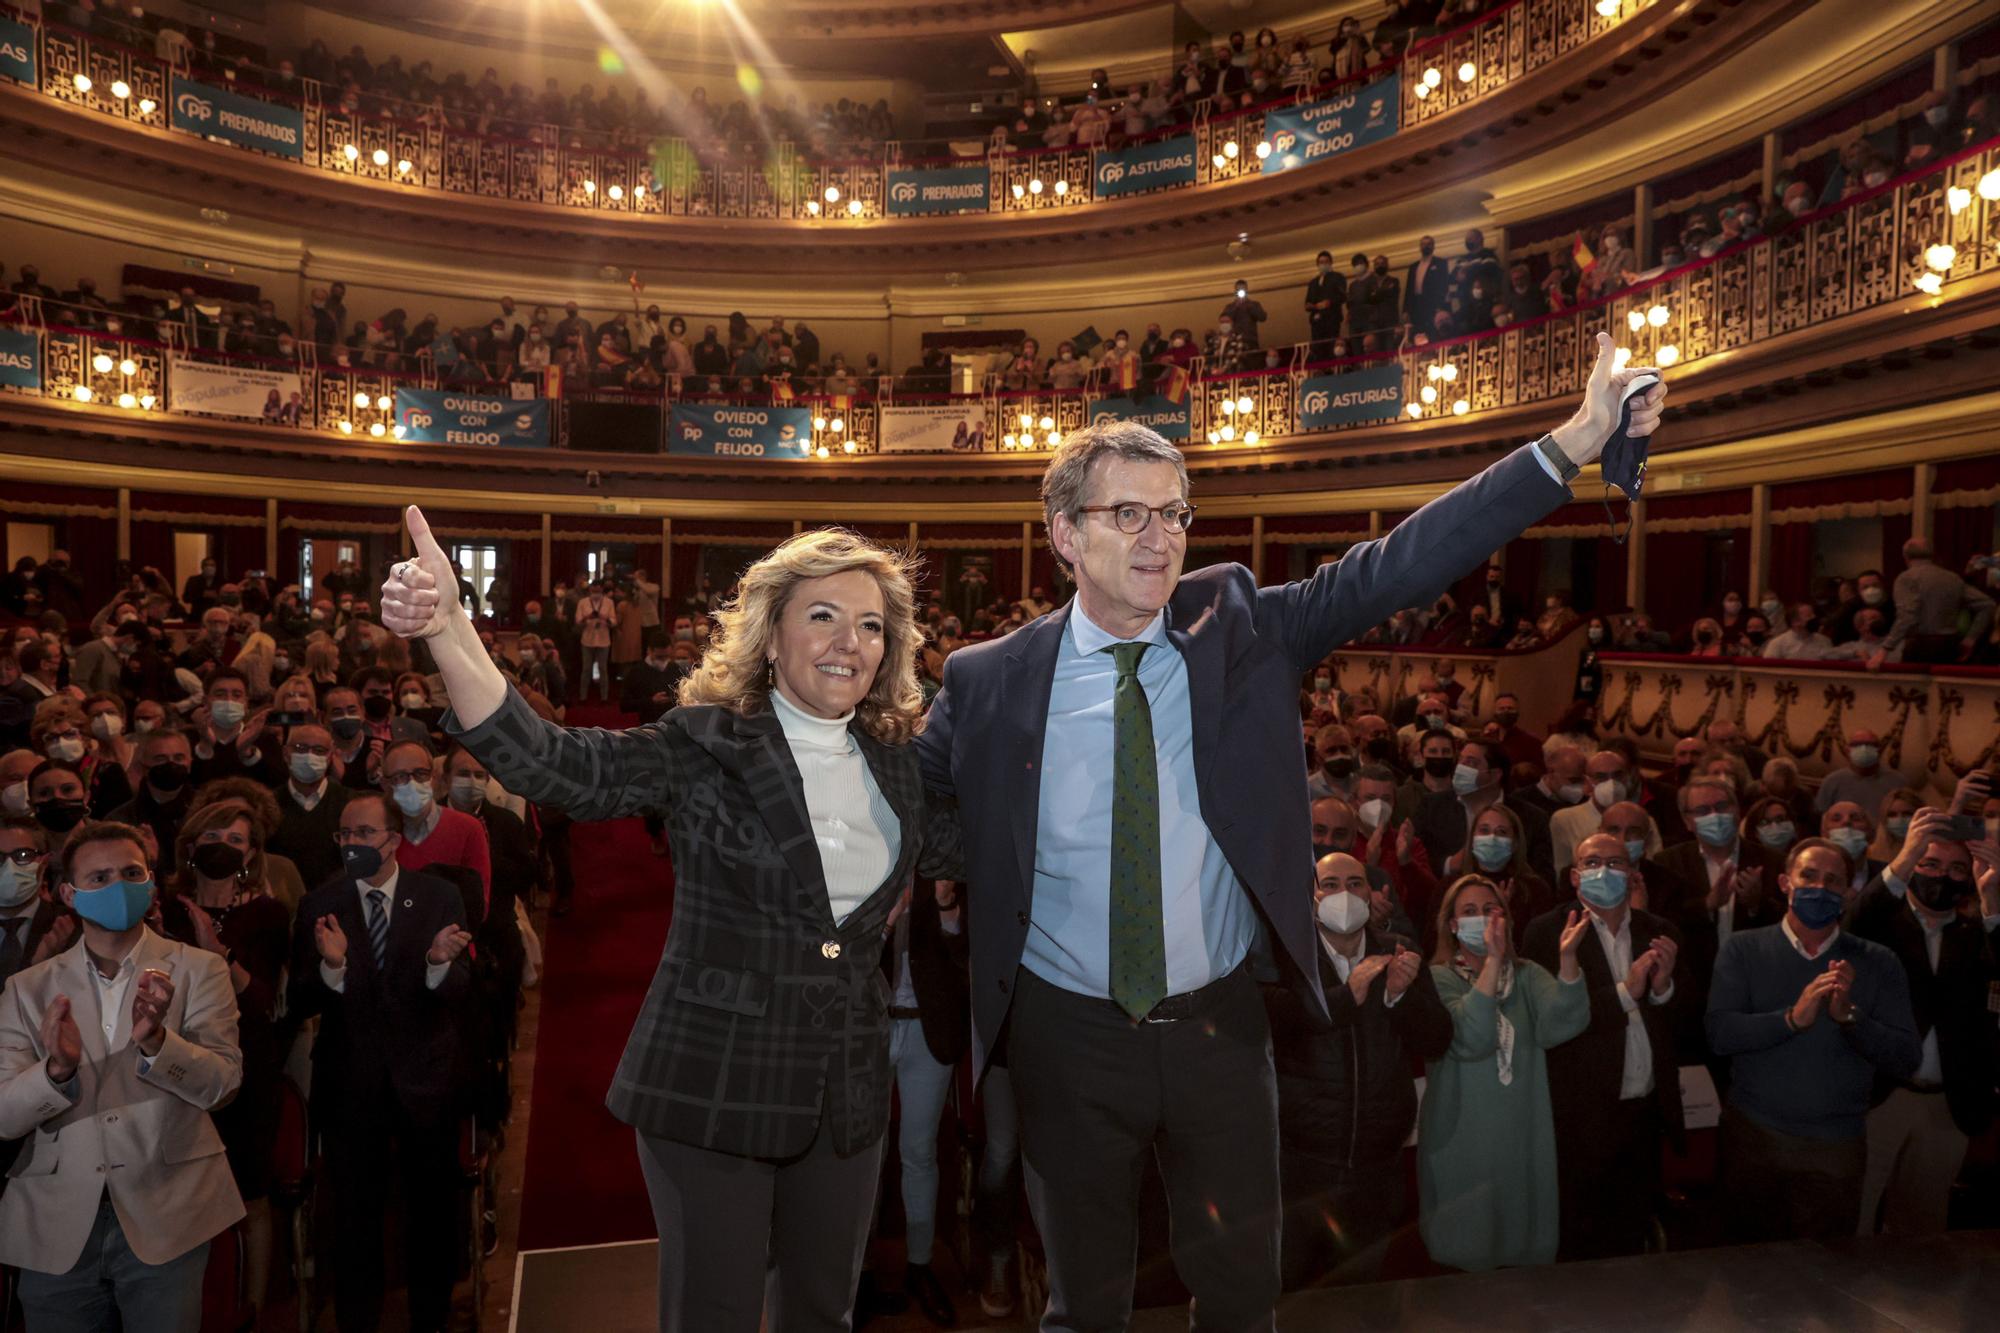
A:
x: 763, y: 1013
x: 40, y: 921
x: 937, y: 974
x: 1701, y: 941
x: 1421, y: 303
x: 1586, y: 1072
x: 1245, y: 649
x: 1954, y: 1000
x: 385, y: 1038
x: 1686, y: 896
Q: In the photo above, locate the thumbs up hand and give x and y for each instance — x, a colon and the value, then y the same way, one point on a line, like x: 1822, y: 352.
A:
x: 412, y: 604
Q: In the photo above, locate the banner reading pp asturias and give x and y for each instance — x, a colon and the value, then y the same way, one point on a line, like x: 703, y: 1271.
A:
x: 722, y: 430
x: 217, y: 113
x: 441, y: 416
x: 1159, y: 414
x: 1146, y: 166
x: 1375, y: 394
x: 1302, y: 135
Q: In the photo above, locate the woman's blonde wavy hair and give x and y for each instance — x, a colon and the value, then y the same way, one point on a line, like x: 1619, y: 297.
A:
x: 733, y: 671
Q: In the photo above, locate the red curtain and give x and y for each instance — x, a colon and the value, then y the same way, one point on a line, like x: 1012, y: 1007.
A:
x: 237, y: 549
x: 1673, y: 583
x: 1791, y: 561
x: 1895, y: 531
x: 1612, y: 560
x: 1959, y: 534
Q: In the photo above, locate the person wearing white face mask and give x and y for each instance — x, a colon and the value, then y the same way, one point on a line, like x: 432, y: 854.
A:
x: 25, y: 916
x: 228, y: 744
x: 1346, y: 1098
x: 1616, y: 1087
x: 61, y: 733
x: 1609, y: 781
x: 434, y: 834
x: 1849, y: 827
x: 1486, y: 1155
x: 311, y: 803
x: 1865, y: 780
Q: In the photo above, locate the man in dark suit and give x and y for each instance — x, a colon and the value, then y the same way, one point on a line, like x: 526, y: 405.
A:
x: 1122, y: 865
x: 652, y: 684
x: 25, y: 916
x: 1426, y: 289
x: 1722, y: 884
x: 379, y: 954
x: 1918, y: 1127
x: 1326, y: 300
x: 1615, y: 1089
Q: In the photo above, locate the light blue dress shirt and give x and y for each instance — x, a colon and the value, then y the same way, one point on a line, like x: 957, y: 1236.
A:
x: 1209, y: 921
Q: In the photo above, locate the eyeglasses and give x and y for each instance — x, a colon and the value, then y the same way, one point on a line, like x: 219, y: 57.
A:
x: 23, y: 856
x: 1133, y: 518
x: 414, y: 775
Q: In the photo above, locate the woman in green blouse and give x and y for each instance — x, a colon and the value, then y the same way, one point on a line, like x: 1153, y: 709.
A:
x: 1486, y: 1150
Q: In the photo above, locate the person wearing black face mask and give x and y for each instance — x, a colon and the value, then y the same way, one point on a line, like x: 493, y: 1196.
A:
x: 1801, y: 640
x: 357, y: 755
x: 165, y: 760
x: 56, y: 790
x: 1918, y: 1128
x: 1326, y: 300
x: 379, y: 955
x: 1426, y: 286
x: 1333, y: 745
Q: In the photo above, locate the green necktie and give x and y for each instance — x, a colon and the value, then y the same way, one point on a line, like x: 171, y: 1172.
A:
x: 1138, y: 932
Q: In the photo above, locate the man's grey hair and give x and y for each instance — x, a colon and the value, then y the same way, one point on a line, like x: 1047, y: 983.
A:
x: 1068, y: 475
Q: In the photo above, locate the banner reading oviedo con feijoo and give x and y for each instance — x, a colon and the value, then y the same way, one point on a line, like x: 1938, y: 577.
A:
x: 1375, y: 394
x: 1146, y: 166
x: 1163, y: 416
x: 914, y: 191
x: 1301, y: 135
x: 217, y: 113
x: 723, y: 430
x: 234, y: 391
x: 445, y: 416
x: 958, y: 426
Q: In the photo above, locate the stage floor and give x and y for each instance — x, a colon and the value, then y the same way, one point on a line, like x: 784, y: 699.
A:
x: 1948, y: 1284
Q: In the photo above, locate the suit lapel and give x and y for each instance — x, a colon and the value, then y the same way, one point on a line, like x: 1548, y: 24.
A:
x: 1025, y: 688
x: 1192, y: 631
x: 85, y: 997
x: 753, y: 749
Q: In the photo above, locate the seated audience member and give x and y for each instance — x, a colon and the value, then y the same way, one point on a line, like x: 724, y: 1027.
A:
x: 127, y: 1027
x: 1870, y: 642
x: 1862, y: 779
x: 1919, y: 1126
x: 1780, y: 782
x: 27, y: 914
x: 1616, y: 1087
x: 1486, y: 1153
x: 1334, y: 763
x: 1801, y: 640
x: 60, y: 730
x: 228, y: 738
x: 1346, y: 1098
x: 1808, y: 1016
x: 1769, y: 823
x: 379, y: 955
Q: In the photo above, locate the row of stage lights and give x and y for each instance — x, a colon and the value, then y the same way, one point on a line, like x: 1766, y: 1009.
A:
x: 119, y: 89
x: 833, y: 426
x: 104, y: 365
x: 378, y: 429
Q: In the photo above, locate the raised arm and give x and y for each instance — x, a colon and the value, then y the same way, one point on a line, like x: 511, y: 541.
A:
x: 413, y: 607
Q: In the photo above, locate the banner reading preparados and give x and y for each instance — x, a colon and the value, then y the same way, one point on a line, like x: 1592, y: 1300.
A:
x: 1161, y: 415
x: 1326, y: 401
x: 441, y: 416
x: 937, y: 190
x: 1146, y: 166
x: 20, y: 359
x: 1301, y: 135
x: 720, y: 430
x: 17, y: 51
x: 217, y: 113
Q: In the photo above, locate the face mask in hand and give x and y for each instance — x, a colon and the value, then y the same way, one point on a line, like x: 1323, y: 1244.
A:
x: 1343, y: 913
x: 116, y: 907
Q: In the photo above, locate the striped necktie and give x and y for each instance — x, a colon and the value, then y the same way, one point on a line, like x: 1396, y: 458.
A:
x: 1138, y: 928
x: 378, y: 927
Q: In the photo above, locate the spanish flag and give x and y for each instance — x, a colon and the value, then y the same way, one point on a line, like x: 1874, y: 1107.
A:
x: 843, y: 403
x: 1174, y: 384
x: 782, y: 392
x: 1128, y: 370
x: 1580, y: 253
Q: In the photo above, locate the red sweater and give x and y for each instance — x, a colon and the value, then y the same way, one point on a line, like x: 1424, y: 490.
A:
x: 458, y: 840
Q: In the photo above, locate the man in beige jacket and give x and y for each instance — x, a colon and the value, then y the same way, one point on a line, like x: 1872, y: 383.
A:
x: 112, y: 1054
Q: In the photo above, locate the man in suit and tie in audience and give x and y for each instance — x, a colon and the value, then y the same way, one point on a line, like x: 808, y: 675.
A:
x: 379, y: 954
x: 112, y: 1055
x: 1126, y: 849
x: 26, y: 916
x: 1615, y: 1089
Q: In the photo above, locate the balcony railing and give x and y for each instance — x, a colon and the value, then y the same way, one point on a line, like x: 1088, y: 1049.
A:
x: 1919, y: 233
x: 408, y: 147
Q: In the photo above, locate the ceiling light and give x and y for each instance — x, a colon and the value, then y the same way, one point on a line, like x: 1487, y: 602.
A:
x: 1215, y: 437
x: 1434, y: 371
x: 360, y: 399
x: 848, y: 446
x: 1027, y: 422
x: 1218, y: 161
x: 1959, y: 198
x: 638, y: 192
x: 346, y: 427
x: 1054, y: 439
x: 1007, y: 442
x: 1229, y: 407
x: 812, y: 207
x: 1619, y: 357
x: 1607, y: 9
x: 397, y: 430
x: 1423, y: 90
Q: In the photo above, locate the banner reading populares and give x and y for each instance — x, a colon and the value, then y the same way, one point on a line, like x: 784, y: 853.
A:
x: 20, y: 359
x: 937, y: 190
x: 1301, y: 135
x: 217, y: 113
x: 1326, y: 401
x: 234, y: 391
x: 958, y: 426
x: 17, y: 51
x: 721, y: 430
x: 442, y: 416
x: 1163, y: 416
x: 1146, y: 166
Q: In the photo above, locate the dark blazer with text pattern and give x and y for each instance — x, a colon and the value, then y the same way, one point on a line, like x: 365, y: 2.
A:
x: 763, y: 1015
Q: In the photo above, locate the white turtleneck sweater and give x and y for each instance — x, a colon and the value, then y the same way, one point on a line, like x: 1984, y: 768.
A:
x: 857, y: 830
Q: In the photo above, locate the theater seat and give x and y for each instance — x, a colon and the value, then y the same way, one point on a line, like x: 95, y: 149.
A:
x: 225, y: 1305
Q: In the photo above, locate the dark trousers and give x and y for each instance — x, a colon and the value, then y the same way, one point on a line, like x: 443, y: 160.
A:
x: 1608, y: 1178
x: 363, y: 1163
x: 1096, y: 1093
x: 738, y: 1231
x: 1780, y: 1186
x: 1338, y: 1220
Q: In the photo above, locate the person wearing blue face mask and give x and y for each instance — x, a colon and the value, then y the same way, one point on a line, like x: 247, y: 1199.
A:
x: 1809, y: 1016
x: 1486, y: 1154
x: 229, y: 741
x: 1918, y: 1130
x: 1463, y: 781
x: 433, y: 834
x: 117, y: 1050
x: 1770, y: 822
x: 1864, y: 779
x: 1616, y: 1088
x: 1496, y: 850
x: 1847, y: 826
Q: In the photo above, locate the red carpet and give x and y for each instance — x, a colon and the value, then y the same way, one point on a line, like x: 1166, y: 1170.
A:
x: 582, y: 1176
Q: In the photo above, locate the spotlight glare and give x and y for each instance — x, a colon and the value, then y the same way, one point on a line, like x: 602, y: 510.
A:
x: 823, y: 452
x: 350, y: 152
x: 1667, y: 355
x: 1434, y: 371
x: 1619, y: 357
x: 1460, y: 408
x: 397, y: 431
x: 1054, y: 439
x: 120, y: 89
x: 128, y: 367
x: 1940, y: 257
x: 82, y: 82
x: 380, y: 157
x: 127, y: 400
x: 1658, y: 316
x: 1007, y: 441
x: 101, y: 364
x: 1468, y: 72
x: 384, y: 403
x: 1219, y: 161
x: 1215, y: 437
x: 1959, y: 198
x: 638, y: 192
x: 1027, y: 422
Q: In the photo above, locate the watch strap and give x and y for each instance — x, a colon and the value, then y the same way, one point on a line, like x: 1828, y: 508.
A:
x: 1558, y: 459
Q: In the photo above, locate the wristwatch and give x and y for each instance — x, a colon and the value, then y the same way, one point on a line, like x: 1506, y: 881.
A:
x: 1557, y: 458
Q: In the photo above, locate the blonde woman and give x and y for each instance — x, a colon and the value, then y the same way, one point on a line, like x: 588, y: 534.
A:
x: 758, y: 1075
x: 322, y: 664
x: 1486, y: 1149
x: 255, y: 657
